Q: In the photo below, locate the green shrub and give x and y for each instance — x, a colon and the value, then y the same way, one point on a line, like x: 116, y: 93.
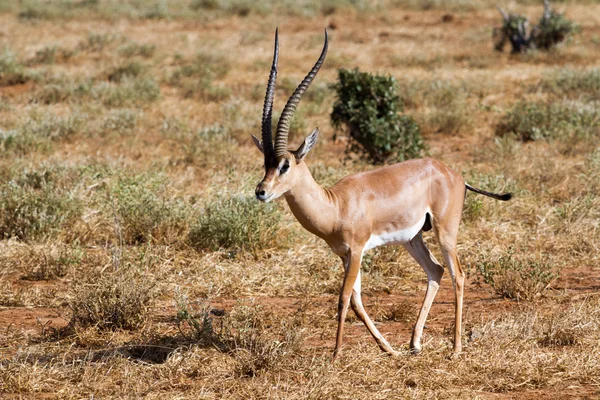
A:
x: 33, y: 206
x: 539, y: 120
x: 517, y: 278
x: 238, y: 223
x: 552, y: 29
x: 112, y: 300
x: 514, y: 29
x: 368, y: 107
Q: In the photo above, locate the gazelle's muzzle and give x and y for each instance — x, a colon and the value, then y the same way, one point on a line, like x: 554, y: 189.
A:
x: 262, y: 191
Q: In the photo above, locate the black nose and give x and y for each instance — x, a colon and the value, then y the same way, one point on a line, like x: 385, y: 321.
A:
x: 261, y: 193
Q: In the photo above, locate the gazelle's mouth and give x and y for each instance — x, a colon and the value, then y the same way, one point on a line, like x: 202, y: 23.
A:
x: 266, y: 199
x: 271, y: 197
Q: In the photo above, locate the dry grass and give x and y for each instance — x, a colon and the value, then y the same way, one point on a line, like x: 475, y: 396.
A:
x: 126, y: 178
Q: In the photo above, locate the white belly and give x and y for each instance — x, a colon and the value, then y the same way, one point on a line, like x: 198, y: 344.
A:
x: 398, y: 237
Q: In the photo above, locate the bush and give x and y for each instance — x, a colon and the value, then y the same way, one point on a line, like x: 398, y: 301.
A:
x: 552, y: 29
x: 515, y: 278
x: 238, y: 223
x: 34, y: 206
x: 539, y: 120
x: 112, y: 300
x: 368, y: 107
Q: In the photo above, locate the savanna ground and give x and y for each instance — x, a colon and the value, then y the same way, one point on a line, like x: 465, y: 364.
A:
x: 136, y: 263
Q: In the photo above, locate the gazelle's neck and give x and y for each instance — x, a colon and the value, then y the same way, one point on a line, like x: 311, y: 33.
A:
x: 314, y: 207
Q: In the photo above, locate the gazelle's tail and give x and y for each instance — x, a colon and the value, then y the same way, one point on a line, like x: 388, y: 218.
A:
x: 503, y: 197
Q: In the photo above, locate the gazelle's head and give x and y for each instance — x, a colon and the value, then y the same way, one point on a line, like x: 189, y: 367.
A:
x: 281, y: 163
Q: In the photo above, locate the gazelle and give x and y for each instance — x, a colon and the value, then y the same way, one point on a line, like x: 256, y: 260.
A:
x: 389, y: 205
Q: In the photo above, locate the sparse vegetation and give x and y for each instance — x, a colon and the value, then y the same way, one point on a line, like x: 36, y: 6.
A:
x: 517, y: 278
x: 127, y: 176
x: 554, y: 120
x: 368, y: 107
x: 112, y: 300
x: 12, y: 71
x: 238, y: 224
x: 143, y: 210
x: 574, y: 84
x: 34, y: 205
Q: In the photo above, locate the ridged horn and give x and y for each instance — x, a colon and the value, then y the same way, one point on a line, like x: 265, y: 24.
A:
x: 283, y: 126
x: 267, y: 139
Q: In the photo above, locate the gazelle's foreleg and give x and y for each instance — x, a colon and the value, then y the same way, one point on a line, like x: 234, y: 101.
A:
x: 351, y: 272
x: 417, y: 248
x: 359, y: 310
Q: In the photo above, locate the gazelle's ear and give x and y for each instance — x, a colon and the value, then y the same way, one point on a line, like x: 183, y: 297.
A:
x: 305, y: 147
x: 258, y: 144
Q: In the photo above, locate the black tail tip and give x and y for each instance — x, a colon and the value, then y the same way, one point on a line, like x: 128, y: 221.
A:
x: 505, y: 196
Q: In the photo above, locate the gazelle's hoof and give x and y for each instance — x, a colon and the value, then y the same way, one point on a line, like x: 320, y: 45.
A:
x: 415, y: 350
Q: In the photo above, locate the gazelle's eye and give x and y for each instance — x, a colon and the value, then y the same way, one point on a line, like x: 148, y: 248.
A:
x: 284, y: 167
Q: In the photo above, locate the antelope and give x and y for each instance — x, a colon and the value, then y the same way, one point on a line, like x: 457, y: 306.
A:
x: 388, y: 205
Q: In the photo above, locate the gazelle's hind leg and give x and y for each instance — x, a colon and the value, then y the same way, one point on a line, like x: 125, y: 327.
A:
x: 417, y: 248
x: 458, y: 281
x: 359, y: 310
x: 447, y: 237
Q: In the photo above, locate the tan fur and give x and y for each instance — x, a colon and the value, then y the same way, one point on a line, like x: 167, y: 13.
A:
x: 388, y: 199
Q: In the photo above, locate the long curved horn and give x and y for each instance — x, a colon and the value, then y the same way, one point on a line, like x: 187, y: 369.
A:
x: 267, y: 140
x: 283, y: 126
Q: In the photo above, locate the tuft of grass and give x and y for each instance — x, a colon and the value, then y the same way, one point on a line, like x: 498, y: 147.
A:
x: 12, y: 72
x: 448, y: 111
x: 122, y: 121
x: 97, y: 42
x: 144, y: 210
x: 574, y: 84
x: 558, y: 120
x: 34, y: 205
x: 238, y: 224
x: 41, y: 264
x: 130, y: 92
x: 129, y: 70
x: 516, y: 277
x: 52, y: 54
x: 197, y: 77
x: 112, y: 300
x: 248, y: 334
x: 145, y: 50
